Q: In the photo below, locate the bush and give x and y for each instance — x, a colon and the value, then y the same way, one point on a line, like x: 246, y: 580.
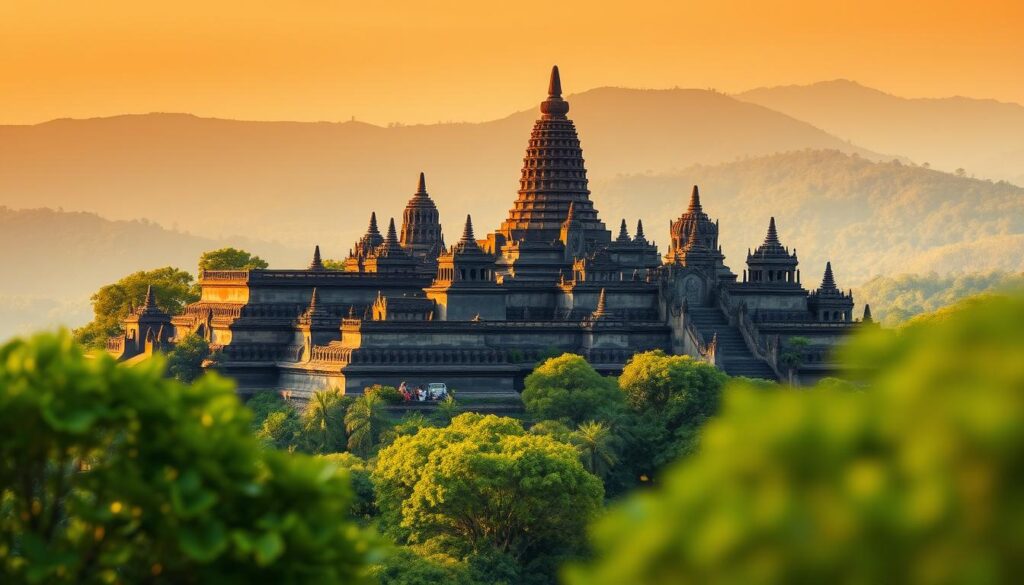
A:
x: 568, y: 389
x: 915, y: 479
x: 389, y: 394
x: 113, y: 473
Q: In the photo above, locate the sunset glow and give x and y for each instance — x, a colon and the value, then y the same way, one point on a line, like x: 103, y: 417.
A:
x: 424, y: 62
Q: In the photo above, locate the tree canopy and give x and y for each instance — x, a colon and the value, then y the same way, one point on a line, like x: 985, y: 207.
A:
x: 113, y: 302
x: 483, y: 485
x: 230, y: 259
x: 567, y: 388
x: 185, y: 361
x: 109, y: 473
x: 914, y: 479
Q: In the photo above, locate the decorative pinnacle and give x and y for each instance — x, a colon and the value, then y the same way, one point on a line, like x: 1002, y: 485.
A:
x: 421, y: 188
x: 695, y: 201
x: 828, y: 282
x: 692, y: 241
x: 867, y: 314
x: 639, y: 231
x: 772, y: 238
x: 316, y: 264
x: 555, y: 84
x: 392, y: 238
x: 623, y: 234
x: 467, y: 232
x: 554, y: 106
x: 372, y: 229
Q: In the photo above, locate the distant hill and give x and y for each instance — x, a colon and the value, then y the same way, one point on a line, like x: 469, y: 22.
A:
x: 896, y: 299
x: 984, y: 137
x: 869, y: 218
x: 53, y: 260
x: 317, y: 182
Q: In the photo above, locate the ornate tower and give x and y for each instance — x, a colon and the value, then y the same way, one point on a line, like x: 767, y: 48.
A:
x: 771, y: 263
x: 553, y: 177
x: 693, y: 238
x: 390, y: 257
x: 364, y: 247
x: 421, y: 226
x: 828, y: 303
x: 465, y: 287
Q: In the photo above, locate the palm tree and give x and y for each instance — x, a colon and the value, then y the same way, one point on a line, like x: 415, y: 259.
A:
x: 364, y: 422
x: 597, y: 447
x: 323, y: 421
x: 446, y: 410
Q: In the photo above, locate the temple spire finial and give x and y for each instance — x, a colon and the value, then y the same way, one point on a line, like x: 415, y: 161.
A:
x: 695, y: 201
x: 316, y: 264
x: 772, y: 237
x: 867, y: 314
x: 467, y: 231
x: 828, y: 282
x: 623, y: 233
x: 392, y: 237
x: 555, y: 84
x: 639, y: 237
x: 421, y: 187
x: 372, y: 229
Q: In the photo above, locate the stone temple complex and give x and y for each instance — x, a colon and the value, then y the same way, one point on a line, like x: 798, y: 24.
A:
x: 479, y: 313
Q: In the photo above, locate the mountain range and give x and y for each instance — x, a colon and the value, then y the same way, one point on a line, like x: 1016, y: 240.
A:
x: 854, y: 192
x: 983, y: 137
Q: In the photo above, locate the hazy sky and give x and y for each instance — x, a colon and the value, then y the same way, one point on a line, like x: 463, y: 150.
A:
x: 384, y: 61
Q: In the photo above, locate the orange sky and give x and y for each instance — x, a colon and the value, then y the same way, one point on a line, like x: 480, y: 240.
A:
x: 384, y: 61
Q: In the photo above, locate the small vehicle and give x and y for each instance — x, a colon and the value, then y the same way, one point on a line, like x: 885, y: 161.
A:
x: 437, y: 390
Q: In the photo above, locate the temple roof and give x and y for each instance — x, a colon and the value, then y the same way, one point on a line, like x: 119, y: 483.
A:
x: 771, y: 245
x: 421, y: 198
x: 623, y: 233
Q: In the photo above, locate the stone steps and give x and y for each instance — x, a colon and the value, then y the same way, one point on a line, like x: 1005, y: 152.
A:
x: 736, y: 358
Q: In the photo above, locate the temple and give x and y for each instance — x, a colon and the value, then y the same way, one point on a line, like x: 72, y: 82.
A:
x: 480, y: 313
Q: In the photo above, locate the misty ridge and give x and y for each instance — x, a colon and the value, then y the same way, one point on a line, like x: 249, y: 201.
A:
x: 867, y: 204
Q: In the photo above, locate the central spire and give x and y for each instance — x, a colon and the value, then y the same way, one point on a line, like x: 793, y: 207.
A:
x: 553, y: 177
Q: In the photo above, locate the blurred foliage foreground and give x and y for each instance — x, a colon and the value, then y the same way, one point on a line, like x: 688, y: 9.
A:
x: 114, y: 474
x: 911, y: 472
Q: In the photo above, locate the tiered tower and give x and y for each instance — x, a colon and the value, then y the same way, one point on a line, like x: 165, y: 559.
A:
x: 828, y: 303
x: 364, y: 247
x: 771, y: 263
x: 694, y: 237
x: 421, y: 226
x: 553, y: 177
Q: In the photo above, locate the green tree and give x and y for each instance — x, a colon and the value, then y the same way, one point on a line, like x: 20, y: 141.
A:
x: 365, y: 421
x: 323, y: 421
x: 116, y: 474
x: 331, y: 264
x: 552, y: 428
x: 363, y: 506
x: 262, y: 404
x: 483, y: 485
x: 792, y: 356
x: 597, y: 447
x: 185, y: 361
x: 281, y: 429
x: 406, y: 567
x: 914, y: 479
x: 230, y: 259
x: 113, y: 302
x: 567, y: 388
x: 655, y: 381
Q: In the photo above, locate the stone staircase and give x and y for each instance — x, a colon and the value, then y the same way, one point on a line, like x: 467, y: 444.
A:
x: 736, y: 358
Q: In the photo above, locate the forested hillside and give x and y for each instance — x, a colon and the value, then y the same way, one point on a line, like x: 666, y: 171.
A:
x: 868, y: 218
x: 895, y: 299
x: 53, y: 260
